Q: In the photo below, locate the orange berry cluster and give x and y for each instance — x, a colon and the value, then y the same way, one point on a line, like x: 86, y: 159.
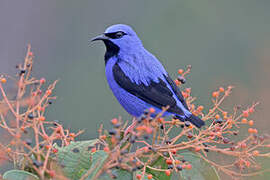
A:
x: 181, y: 78
x: 149, y: 176
x: 3, y: 80
x: 217, y: 93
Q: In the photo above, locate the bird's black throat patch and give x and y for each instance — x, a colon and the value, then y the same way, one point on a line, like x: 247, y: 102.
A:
x: 111, y: 50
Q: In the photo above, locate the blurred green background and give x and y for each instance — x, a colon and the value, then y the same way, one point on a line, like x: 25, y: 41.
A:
x: 226, y: 42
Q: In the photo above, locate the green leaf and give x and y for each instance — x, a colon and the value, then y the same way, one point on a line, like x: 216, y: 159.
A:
x: 161, y: 164
x: 119, y: 174
x: 201, y: 170
x: 98, y: 159
x: 19, y: 175
x: 76, y: 158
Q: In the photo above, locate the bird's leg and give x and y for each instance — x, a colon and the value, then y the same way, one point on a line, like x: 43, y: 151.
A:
x: 131, y: 127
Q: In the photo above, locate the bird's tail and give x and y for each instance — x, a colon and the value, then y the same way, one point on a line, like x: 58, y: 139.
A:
x: 195, y: 120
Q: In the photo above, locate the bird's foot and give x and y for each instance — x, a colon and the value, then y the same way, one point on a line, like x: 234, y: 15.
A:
x: 131, y: 127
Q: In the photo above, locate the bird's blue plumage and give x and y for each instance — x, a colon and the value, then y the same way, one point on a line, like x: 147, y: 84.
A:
x: 136, y: 77
x: 131, y: 103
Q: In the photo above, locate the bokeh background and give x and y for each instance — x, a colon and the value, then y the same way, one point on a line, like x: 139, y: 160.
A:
x: 226, y: 42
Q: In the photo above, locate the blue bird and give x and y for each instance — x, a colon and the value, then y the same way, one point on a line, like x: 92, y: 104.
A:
x: 137, y: 78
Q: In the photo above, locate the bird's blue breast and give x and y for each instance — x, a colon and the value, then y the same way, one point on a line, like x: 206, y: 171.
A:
x: 130, y: 103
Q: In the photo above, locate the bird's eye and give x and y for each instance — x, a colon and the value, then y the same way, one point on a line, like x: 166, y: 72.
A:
x: 115, y: 35
x: 119, y: 34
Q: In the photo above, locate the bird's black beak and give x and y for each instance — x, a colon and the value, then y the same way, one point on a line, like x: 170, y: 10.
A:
x: 100, y: 37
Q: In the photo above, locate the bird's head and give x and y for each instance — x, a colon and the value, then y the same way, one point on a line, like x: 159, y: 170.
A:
x: 119, y: 37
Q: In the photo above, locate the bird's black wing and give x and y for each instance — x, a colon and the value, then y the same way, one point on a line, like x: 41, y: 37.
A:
x: 177, y: 91
x: 156, y: 94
